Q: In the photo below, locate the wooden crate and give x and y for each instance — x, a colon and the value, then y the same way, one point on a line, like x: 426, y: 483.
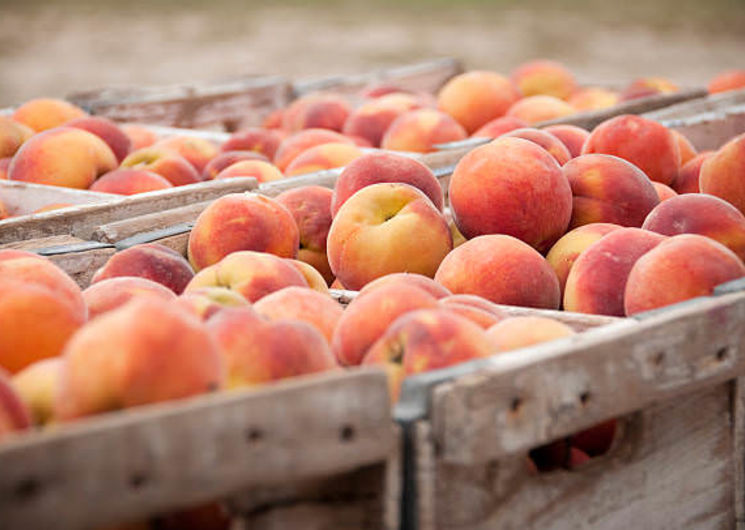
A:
x: 316, y: 452
x: 24, y: 198
x: 671, y: 375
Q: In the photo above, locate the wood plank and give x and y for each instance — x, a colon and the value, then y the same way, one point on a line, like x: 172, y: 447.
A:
x: 738, y: 430
x: 24, y: 198
x: 118, y: 230
x: 127, y: 465
x: 709, y: 103
x: 709, y: 131
x: 516, y: 400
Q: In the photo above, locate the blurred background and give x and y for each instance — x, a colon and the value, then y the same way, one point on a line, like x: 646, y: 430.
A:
x: 54, y: 48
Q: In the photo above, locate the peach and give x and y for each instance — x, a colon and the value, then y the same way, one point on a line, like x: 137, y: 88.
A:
x: 697, y: 213
x: 519, y: 332
x: 324, y: 156
x: 53, y: 206
x: 242, y: 221
x: 139, y: 135
x: 14, y: 414
x: 258, y: 169
x: 371, y: 119
x: 688, y: 176
x: 407, y: 278
x: 130, y: 182
x: 386, y: 228
x: 567, y: 249
x: 544, y: 77
x: 548, y: 141
x: 64, y: 156
x: 367, y: 317
x: 511, y: 186
x: 168, y: 164
x: 151, y: 261
x: 475, y: 308
x: 535, y: 109
x: 571, y: 136
x: 608, y: 189
x: 593, y: 98
x: 300, y: 303
x: 682, y: 267
x: 251, y: 274
x: 228, y: 158
x: 598, y: 277
x: 316, y: 112
x: 648, y: 86
x: 121, y: 359
x: 420, y: 130
x: 258, y: 351
x: 46, y: 113
x: 263, y: 141
x: 273, y: 120
x: 727, y: 80
x: 4, y: 165
x: 295, y: 144
x: 687, y: 151
x: 109, y: 294
x: 313, y: 278
x: 499, y: 126
x: 645, y: 143
x: 723, y: 173
x: 424, y: 340
x: 204, y: 302
x: 374, y: 168
x: 336, y: 284
x: 197, y: 151
x: 310, y: 206
x: 36, y: 385
x: 108, y: 131
x: 664, y: 192
x: 12, y: 136
x: 477, y: 97
x: 3, y: 211
x: 502, y: 269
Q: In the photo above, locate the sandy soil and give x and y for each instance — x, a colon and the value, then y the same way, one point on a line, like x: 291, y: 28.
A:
x: 56, y: 50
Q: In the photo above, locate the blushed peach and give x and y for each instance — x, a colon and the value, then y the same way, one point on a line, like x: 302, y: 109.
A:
x: 687, y: 151
x: 371, y: 119
x: 519, y: 332
x: 544, y: 77
x: 108, y: 131
x: 168, y: 164
x: 311, y: 275
x: 197, y: 151
x: 12, y: 136
x: 407, y: 278
x: 535, y: 109
x: 14, y: 414
x: 688, y: 176
x: 111, y: 293
x: 227, y: 159
x: 723, y: 173
x: 647, y: 86
x: 263, y: 141
x: 499, y: 126
x: 664, y: 192
x: 36, y: 385
x: 316, y: 111
x: 130, y: 182
x: 571, y: 136
x: 548, y: 141
x: 204, y: 302
x: 320, y: 157
x: 727, y: 80
x: 139, y: 135
x: 593, y: 98
x: 258, y: 169
x: 295, y: 144
x: 46, y: 113
x: 420, y: 130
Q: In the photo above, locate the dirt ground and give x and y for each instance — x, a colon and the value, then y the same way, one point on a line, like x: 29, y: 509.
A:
x: 58, y: 48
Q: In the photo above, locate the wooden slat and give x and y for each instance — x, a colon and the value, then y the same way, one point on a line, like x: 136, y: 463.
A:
x: 712, y: 103
x: 521, y: 399
x: 23, y: 198
x: 128, y: 465
x: 709, y: 131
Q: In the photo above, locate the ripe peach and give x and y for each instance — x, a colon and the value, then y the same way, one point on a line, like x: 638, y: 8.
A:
x: 511, y: 186
x: 593, y: 98
x: 374, y: 168
x: 146, y: 351
x: 475, y: 308
x: 46, y: 113
x: 130, y: 182
x: 645, y: 143
x: 385, y: 228
x: 688, y: 176
x: 273, y: 120
x: 571, y: 136
x: 258, y: 351
x: 12, y: 136
x: 548, y: 141
x: 242, y: 221
x: 263, y: 141
x: 14, y: 414
x: 727, y: 80
x: 371, y: 119
x: 567, y: 249
x: 311, y: 275
x: 723, y: 173
x: 310, y: 206
x: 316, y: 111
x: 36, y: 385
x: 367, y: 317
x: 543, y: 77
x: 598, y: 277
x: 168, y: 164
x: 519, y: 332
x: 502, y: 269
x: 664, y: 192
x: 499, y: 126
x: 106, y: 130
x: 536, y: 109
x: 648, y: 86
x: 251, y: 274
x: 324, y: 156
x: 300, y: 303
x: 197, y: 151
x: 682, y: 267
x: 258, y: 169
x: 407, y: 278
x: 687, y: 151
x: 64, y: 156
x: 139, y: 135
x: 295, y: 144
x: 226, y: 159
x: 204, y: 302
x: 420, y: 130
x: 151, y: 261
x: 697, y: 213
x: 477, y: 97
x: 4, y: 165
x: 608, y: 189
x: 105, y: 295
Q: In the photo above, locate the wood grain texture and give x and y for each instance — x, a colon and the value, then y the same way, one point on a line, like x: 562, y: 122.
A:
x: 521, y: 399
x: 128, y: 465
x: 708, y: 103
x: 125, y: 228
x: 24, y: 198
x: 710, y: 131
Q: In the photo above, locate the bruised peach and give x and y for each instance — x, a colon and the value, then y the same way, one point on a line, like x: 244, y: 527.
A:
x: 421, y: 130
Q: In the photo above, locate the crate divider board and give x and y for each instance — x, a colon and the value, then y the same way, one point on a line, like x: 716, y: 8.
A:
x: 24, y: 198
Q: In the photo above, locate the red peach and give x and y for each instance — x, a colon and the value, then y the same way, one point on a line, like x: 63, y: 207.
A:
x: 263, y: 141
x: 130, y: 182
x: 320, y: 157
x: 407, y: 278
x: 258, y: 169
x: 548, y: 141
x: 727, y: 80
x: 316, y: 111
x: 571, y: 136
x: 688, y: 176
x: 109, y: 294
x: 371, y: 119
x: 499, y: 126
x: 687, y: 151
x: 293, y: 145
x: 108, y: 131
x: 226, y: 159
x: 197, y: 151
x: 664, y: 192
x: 168, y: 164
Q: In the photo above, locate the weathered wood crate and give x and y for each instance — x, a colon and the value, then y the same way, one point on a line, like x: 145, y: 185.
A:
x: 677, y: 461
x: 23, y: 198
x: 316, y: 452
